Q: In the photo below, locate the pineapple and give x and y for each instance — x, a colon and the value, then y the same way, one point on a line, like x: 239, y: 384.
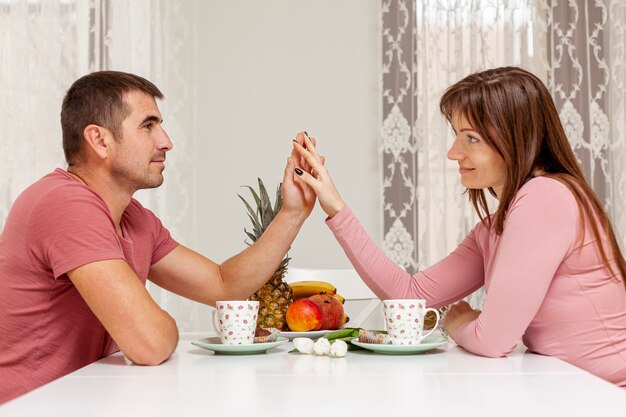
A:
x: 276, y: 295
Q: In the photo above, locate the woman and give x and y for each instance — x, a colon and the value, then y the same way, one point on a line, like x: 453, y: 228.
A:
x: 548, y: 256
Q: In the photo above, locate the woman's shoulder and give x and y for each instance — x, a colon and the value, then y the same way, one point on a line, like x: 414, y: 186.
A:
x: 546, y: 189
x: 545, y: 194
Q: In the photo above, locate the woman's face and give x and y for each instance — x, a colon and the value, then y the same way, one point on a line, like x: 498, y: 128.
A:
x: 479, y: 165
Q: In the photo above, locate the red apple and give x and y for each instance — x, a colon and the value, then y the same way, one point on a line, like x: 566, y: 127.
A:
x: 332, y: 310
x: 304, y: 315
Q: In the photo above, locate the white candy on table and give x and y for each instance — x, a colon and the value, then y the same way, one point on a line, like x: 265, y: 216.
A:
x: 321, y: 346
x: 338, y: 349
x: 303, y: 344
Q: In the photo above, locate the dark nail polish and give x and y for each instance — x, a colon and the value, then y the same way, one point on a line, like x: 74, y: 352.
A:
x: 298, y: 171
x: 307, y: 135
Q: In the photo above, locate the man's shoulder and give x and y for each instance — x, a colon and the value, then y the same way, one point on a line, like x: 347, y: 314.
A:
x: 58, y: 190
x: 58, y: 183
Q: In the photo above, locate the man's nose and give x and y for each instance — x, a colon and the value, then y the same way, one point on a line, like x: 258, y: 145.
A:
x: 164, y: 142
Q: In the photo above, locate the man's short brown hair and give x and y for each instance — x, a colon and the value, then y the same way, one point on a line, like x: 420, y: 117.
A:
x: 98, y: 98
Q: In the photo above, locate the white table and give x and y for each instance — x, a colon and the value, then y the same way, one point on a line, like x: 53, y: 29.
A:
x: 444, y: 382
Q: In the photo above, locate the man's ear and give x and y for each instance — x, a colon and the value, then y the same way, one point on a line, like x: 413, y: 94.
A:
x: 97, y: 140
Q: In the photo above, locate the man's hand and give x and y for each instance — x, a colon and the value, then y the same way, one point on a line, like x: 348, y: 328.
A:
x: 459, y: 314
x: 298, y: 198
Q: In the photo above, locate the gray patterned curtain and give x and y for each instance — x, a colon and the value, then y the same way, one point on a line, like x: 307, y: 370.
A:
x: 399, y: 147
x: 577, y: 47
x: 586, y: 46
x: 427, y: 46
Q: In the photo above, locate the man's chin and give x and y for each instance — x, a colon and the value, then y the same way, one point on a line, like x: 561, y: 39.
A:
x: 154, y: 182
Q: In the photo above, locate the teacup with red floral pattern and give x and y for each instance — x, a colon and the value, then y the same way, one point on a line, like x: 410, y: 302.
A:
x: 235, y: 321
x: 405, y: 321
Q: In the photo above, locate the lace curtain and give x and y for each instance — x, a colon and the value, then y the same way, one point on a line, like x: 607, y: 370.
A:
x: 576, y: 47
x: 587, y: 45
x: 153, y: 38
x: 45, y: 45
x: 39, y: 59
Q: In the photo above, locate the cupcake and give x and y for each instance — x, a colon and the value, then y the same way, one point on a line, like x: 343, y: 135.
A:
x: 263, y: 335
x: 374, y: 337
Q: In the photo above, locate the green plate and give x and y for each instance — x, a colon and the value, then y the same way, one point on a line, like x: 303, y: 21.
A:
x: 214, y: 344
x: 427, y: 344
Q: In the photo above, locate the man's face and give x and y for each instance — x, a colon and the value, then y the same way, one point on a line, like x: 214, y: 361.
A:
x: 138, y: 158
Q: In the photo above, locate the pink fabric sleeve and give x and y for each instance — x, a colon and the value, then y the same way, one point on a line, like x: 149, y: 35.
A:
x: 454, y: 277
x: 164, y: 244
x: 539, y: 231
x: 71, y: 228
x: 163, y: 241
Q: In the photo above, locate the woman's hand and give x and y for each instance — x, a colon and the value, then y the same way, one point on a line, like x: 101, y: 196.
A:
x: 313, y: 173
x: 459, y: 314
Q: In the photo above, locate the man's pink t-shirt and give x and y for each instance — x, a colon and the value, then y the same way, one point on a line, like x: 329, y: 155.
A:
x: 542, y: 286
x: 56, y: 225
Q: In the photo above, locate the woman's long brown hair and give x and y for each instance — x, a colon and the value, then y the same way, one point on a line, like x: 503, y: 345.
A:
x: 514, y: 113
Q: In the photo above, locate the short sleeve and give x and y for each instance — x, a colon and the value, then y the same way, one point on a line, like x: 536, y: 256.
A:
x: 71, y: 226
x: 163, y: 241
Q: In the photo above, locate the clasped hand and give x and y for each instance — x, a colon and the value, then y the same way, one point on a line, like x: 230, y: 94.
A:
x: 311, y: 172
x: 298, y: 198
x: 457, y: 315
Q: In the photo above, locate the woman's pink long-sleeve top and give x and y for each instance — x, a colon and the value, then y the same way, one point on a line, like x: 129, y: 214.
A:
x: 541, y: 286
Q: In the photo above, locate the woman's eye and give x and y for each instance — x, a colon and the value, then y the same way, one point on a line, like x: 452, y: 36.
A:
x: 473, y: 139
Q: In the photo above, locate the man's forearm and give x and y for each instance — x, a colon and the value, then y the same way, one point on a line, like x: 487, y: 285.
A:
x: 159, y: 345
x: 246, y: 272
x: 143, y: 331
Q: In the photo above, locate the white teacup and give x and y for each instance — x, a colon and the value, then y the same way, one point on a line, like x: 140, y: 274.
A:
x: 235, y: 321
x: 405, y: 321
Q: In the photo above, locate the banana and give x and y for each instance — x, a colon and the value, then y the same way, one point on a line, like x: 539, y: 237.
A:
x: 303, y: 289
x: 340, y: 298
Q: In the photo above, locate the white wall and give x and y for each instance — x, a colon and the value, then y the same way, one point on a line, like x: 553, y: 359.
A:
x: 266, y: 70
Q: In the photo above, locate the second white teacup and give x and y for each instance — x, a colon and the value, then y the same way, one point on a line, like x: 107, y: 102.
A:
x: 235, y: 321
x: 405, y: 321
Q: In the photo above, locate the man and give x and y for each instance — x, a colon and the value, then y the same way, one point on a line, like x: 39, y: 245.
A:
x: 77, y: 249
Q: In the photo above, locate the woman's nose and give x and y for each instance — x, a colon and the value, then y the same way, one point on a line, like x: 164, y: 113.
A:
x: 454, y: 153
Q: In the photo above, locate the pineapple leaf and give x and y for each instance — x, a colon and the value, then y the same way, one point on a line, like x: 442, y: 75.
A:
x: 262, y: 215
x: 251, y: 213
x: 267, y: 215
x: 256, y: 226
x: 251, y: 236
x: 284, y: 262
x: 257, y: 200
x: 278, y: 203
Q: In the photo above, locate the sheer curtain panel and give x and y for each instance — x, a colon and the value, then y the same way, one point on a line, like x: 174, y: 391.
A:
x: 577, y: 47
x: 45, y: 45
x: 427, y: 46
